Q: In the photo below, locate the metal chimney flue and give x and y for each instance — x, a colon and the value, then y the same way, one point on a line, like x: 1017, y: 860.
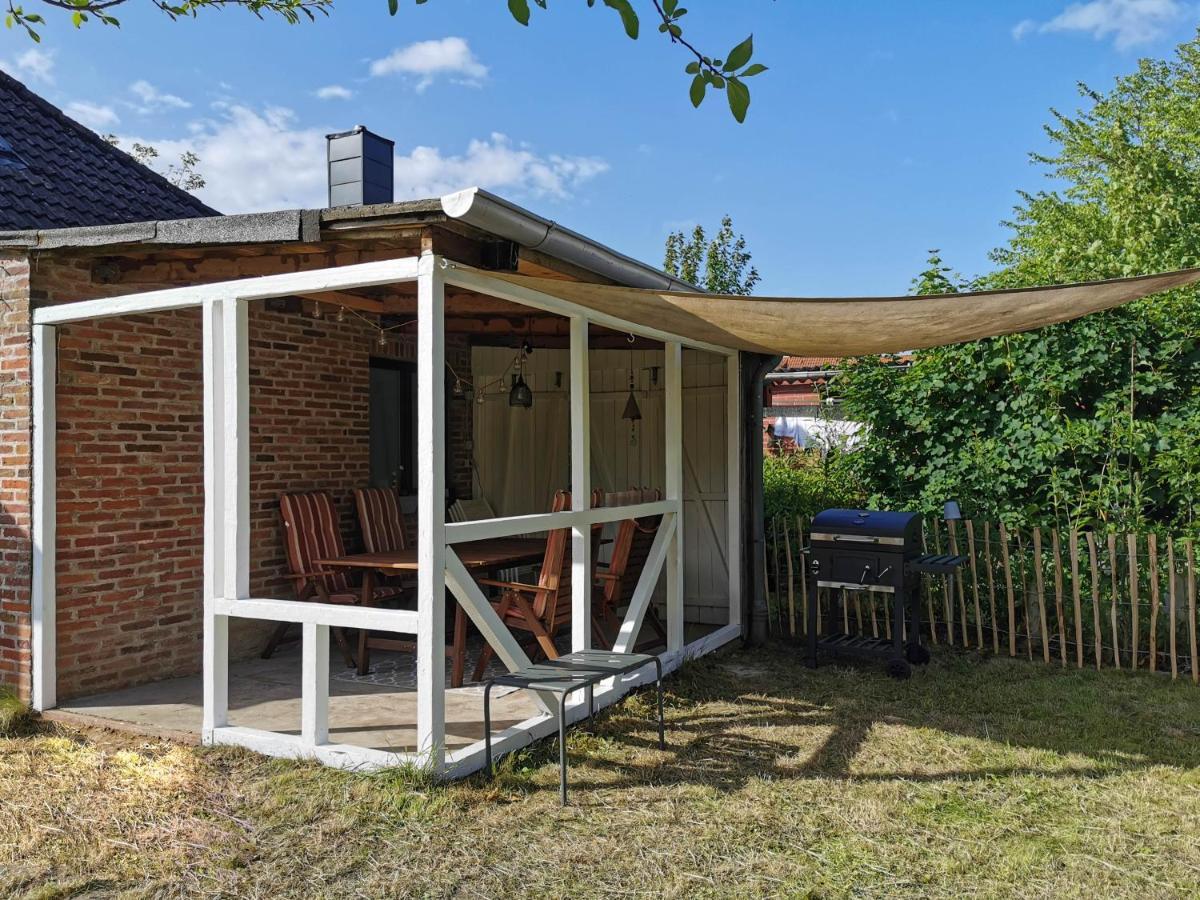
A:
x: 360, y: 167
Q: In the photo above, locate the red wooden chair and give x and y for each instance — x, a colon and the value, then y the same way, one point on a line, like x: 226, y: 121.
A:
x: 310, y: 532
x: 383, y: 525
x: 539, y: 610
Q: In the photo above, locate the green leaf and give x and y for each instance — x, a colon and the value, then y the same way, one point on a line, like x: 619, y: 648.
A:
x: 669, y: 6
x: 519, y: 10
x: 739, y: 98
x: 739, y: 55
x: 394, y: 6
x: 699, y: 86
x: 692, y: 68
x: 629, y: 18
x: 753, y: 70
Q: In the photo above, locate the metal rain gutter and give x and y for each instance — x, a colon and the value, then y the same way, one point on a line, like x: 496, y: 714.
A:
x: 487, y: 212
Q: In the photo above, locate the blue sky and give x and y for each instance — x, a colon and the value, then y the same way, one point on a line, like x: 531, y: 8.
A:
x: 881, y: 130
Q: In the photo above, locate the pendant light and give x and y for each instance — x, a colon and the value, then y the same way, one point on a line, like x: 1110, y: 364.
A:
x: 520, y: 394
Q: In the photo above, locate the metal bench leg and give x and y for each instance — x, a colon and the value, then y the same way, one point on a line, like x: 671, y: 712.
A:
x: 562, y: 749
x: 487, y: 728
x: 662, y: 743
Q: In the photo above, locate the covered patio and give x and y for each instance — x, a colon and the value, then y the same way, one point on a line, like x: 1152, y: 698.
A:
x: 684, y: 441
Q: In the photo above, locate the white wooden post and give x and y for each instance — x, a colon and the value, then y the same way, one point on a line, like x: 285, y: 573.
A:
x: 673, y: 428
x: 431, y: 514
x: 235, y: 348
x: 733, y: 484
x: 215, y: 650
x: 314, y: 688
x: 581, y: 486
x: 43, y: 598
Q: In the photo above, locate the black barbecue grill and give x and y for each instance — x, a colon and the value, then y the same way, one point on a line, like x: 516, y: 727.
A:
x: 879, y: 552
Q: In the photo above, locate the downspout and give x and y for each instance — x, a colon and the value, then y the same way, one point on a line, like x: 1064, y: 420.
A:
x: 755, y: 366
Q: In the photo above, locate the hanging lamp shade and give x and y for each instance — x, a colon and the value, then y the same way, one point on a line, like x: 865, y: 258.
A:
x: 520, y: 394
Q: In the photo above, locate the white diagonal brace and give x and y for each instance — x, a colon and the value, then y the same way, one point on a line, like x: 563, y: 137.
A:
x: 475, y: 605
x: 645, y: 586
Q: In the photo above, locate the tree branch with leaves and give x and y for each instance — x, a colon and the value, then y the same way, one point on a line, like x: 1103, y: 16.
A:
x: 726, y: 74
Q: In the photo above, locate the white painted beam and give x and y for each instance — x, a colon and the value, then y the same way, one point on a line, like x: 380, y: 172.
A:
x: 215, y: 650
x: 44, y: 510
x: 480, y: 611
x: 581, y: 487
x: 388, y: 271
x: 375, y: 618
x: 235, y: 351
x: 292, y: 746
x: 673, y: 434
x: 638, y: 603
x: 431, y: 514
x: 733, y: 485
x: 487, y: 529
x: 314, y: 685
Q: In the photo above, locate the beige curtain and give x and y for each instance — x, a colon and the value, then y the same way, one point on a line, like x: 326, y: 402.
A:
x: 849, y: 326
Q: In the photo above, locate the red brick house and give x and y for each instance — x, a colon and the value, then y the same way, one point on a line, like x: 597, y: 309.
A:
x: 108, y: 591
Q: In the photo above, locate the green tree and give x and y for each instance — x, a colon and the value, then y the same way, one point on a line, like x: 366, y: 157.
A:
x: 706, y: 71
x: 182, y: 174
x: 721, y: 265
x: 1093, y: 421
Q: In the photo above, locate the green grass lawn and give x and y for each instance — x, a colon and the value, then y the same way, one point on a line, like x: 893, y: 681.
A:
x: 976, y: 778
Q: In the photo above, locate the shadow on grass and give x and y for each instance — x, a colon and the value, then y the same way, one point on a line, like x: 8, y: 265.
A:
x: 738, y: 717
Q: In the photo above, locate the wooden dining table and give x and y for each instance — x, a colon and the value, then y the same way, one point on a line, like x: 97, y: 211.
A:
x: 486, y: 557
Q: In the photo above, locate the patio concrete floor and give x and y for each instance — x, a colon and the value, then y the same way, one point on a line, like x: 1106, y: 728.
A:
x: 265, y: 694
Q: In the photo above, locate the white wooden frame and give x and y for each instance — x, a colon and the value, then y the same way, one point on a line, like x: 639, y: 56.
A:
x: 227, y: 522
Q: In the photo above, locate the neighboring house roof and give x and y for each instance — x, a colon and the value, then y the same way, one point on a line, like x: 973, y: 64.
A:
x: 56, y: 173
x: 807, y: 363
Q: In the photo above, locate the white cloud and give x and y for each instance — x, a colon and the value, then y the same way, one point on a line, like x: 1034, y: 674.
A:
x: 32, y: 65
x: 1127, y: 22
x: 93, y: 115
x: 494, y: 163
x: 426, y: 60
x: 333, y: 92
x: 153, y: 100
x: 257, y: 160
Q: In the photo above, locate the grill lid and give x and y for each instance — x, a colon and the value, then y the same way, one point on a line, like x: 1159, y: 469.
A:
x: 873, y: 522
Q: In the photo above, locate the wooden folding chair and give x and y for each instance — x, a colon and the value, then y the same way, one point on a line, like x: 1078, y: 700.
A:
x: 310, y: 532
x: 539, y: 610
x: 616, y: 581
x: 385, y: 529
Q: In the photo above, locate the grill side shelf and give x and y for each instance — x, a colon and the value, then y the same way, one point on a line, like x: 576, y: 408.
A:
x: 936, y: 564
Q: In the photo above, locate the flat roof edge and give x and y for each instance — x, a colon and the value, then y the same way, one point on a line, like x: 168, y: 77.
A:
x: 285, y: 225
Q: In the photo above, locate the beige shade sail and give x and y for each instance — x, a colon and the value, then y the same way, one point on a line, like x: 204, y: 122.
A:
x: 852, y: 326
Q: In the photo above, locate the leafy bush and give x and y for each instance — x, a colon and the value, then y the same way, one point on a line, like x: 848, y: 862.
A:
x: 803, y: 484
x: 1092, y: 421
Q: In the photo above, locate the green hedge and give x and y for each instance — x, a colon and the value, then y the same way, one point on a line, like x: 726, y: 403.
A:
x: 803, y: 484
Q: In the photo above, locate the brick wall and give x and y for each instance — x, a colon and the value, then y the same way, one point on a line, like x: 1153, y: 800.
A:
x: 15, y: 560
x: 130, y: 500
x: 131, y: 468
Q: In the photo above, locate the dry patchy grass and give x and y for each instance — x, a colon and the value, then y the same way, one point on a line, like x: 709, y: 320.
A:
x: 976, y: 778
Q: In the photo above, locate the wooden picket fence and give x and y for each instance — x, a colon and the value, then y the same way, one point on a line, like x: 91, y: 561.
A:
x: 1124, y: 601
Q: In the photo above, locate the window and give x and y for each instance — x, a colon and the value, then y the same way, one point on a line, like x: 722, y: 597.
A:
x: 393, y: 400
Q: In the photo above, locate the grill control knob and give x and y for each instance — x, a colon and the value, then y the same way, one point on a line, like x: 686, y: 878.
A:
x: 815, y: 566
